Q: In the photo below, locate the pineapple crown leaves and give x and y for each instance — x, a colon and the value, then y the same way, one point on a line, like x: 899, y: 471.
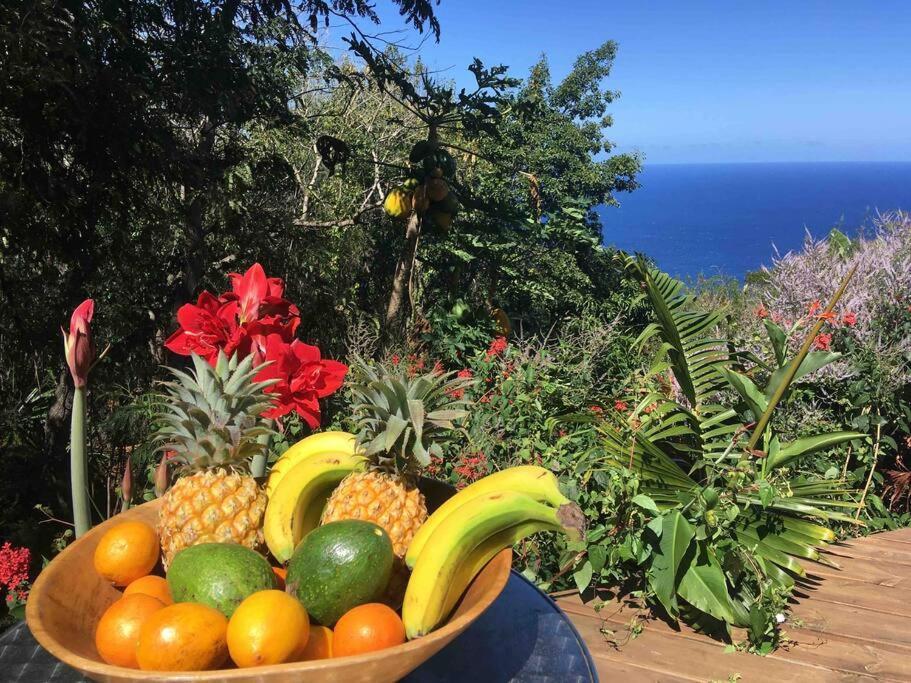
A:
x: 402, y: 421
x: 211, y: 416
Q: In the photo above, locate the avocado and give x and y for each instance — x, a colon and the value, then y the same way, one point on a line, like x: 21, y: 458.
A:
x: 339, y: 566
x: 219, y: 575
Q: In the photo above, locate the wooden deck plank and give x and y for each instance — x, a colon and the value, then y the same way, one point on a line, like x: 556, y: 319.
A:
x: 813, y: 647
x: 849, y: 624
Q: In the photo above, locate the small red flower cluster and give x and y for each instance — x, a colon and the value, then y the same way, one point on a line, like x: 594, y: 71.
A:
x: 762, y: 312
x: 620, y: 406
x: 470, y: 468
x: 822, y: 342
x: 458, y: 394
x: 254, y: 318
x: 497, y: 347
x: 597, y: 410
x: 14, y: 564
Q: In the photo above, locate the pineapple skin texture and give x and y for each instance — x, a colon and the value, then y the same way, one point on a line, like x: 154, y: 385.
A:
x: 213, y: 506
x: 383, y: 499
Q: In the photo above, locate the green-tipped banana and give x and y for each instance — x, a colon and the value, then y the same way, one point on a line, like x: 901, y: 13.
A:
x: 321, y: 443
x: 456, y: 539
x: 472, y: 565
x: 536, y: 482
x: 292, y: 509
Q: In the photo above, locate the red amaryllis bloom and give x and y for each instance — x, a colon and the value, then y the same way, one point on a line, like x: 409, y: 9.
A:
x: 762, y: 312
x: 78, y: 345
x: 256, y: 302
x: 303, y: 377
x: 237, y: 321
x: 822, y: 342
x: 206, y: 328
x: 849, y: 319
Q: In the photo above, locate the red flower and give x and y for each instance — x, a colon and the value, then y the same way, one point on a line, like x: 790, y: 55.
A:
x: 597, y: 410
x: 497, y: 346
x: 396, y: 359
x: 14, y: 564
x: 620, y: 406
x: 822, y: 342
x: 237, y: 321
x: 206, y: 328
x: 650, y: 408
x: 814, y: 308
x: 77, y: 345
x: 465, y: 374
x: 829, y: 317
x: 470, y: 468
x: 849, y: 319
x: 303, y: 378
x: 762, y: 312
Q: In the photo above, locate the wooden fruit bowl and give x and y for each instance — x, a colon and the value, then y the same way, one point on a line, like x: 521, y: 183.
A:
x: 69, y: 597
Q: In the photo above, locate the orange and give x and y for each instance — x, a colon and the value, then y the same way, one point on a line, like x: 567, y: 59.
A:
x: 185, y: 636
x: 156, y: 586
x: 118, y: 629
x: 366, y: 628
x: 127, y: 552
x: 319, y: 644
x: 280, y: 575
x: 268, y: 627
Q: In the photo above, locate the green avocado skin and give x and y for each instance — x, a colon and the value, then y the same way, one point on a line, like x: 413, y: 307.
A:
x: 339, y: 566
x: 219, y: 575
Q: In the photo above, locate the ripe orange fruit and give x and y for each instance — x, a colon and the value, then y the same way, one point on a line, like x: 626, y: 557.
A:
x: 127, y: 552
x: 185, y: 636
x: 319, y: 644
x: 268, y: 627
x: 280, y: 575
x: 118, y: 629
x: 156, y: 586
x: 366, y: 628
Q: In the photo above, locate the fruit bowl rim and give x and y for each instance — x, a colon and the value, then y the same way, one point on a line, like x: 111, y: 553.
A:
x: 500, y: 565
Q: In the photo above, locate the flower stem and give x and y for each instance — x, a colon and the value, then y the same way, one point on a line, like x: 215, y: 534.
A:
x: 258, y: 464
x: 78, y: 465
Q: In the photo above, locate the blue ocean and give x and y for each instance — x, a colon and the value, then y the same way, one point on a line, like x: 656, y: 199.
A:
x: 727, y: 219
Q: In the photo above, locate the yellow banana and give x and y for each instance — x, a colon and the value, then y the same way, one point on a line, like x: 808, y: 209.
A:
x: 472, y: 565
x: 315, y: 444
x: 458, y: 536
x: 290, y: 510
x: 534, y: 481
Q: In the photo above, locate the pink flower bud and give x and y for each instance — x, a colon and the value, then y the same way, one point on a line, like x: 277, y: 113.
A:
x: 126, y: 484
x: 77, y: 345
x: 161, y: 476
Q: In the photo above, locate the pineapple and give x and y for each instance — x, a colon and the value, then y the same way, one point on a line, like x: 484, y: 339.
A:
x: 402, y: 421
x: 211, y: 422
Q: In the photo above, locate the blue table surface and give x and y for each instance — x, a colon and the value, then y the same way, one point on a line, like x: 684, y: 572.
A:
x: 523, y: 636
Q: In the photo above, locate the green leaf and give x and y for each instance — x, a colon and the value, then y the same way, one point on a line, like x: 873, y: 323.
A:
x: 810, y: 444
x: 645, y: 503
x: 704, y: 587
x: 779, y: 342
x: 813, y: 362
x: 748, y: 391
x: 583, y: 576
x: 673, y: 545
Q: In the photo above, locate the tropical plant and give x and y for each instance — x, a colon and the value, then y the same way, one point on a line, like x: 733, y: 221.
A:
x: 731, y: 513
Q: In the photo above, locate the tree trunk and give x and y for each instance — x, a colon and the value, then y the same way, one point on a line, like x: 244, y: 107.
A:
x: 402, y: 277
x: 401, y: 281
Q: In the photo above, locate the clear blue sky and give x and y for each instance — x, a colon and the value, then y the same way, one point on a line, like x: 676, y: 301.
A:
x: 714, y: 81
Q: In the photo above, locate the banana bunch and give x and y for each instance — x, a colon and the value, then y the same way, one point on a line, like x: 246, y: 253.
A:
x: 467, y: 531
x: 299, y: 485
